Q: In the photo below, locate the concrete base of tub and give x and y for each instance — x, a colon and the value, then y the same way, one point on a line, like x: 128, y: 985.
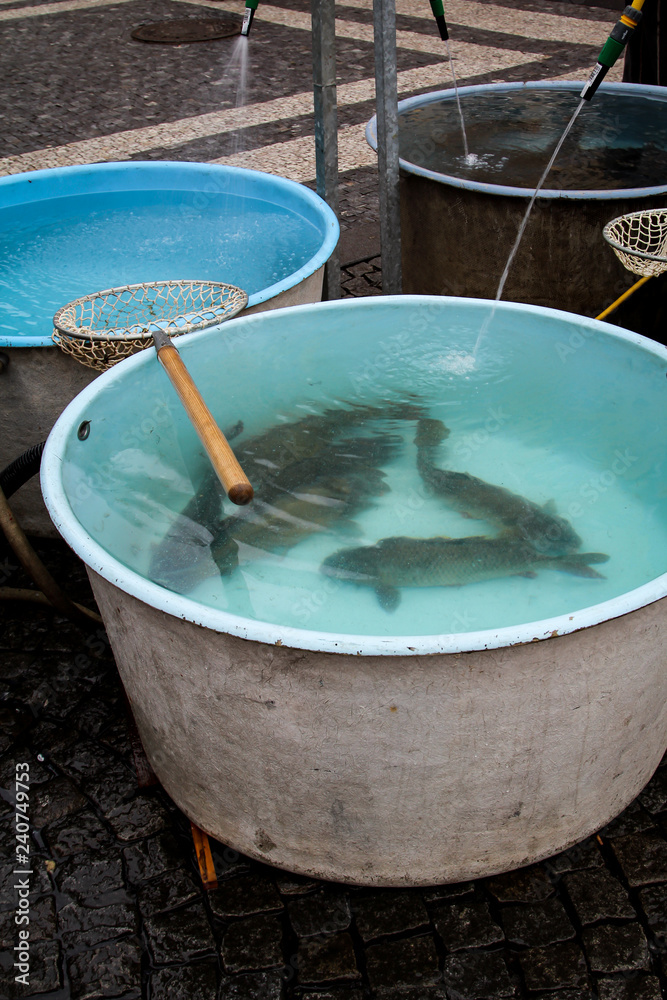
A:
x: 35, y: 388
x: 396, y: 770
x: 562, y: 261
x: 38, y: 384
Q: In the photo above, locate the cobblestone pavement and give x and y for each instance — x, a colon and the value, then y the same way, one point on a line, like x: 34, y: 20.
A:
x: 117, y: 908
x: 76, y: 88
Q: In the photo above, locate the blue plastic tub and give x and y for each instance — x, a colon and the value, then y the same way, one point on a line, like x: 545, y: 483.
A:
x: 71, y: 231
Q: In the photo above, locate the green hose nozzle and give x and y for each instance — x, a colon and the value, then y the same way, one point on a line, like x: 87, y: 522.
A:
x: 439, y: 15
x: 612, y: 48
x: 248, y: 15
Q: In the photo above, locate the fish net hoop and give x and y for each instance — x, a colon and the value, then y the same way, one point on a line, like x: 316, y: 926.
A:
x: 639, y: 240
x: 101, y: 329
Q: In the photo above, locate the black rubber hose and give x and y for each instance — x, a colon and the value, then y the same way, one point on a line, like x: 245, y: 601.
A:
x: 21, y: 470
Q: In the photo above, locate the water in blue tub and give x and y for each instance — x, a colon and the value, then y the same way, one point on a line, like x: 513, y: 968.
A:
x: 79, y: 245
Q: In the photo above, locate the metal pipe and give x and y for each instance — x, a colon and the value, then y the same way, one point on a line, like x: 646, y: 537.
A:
x: 326, y: 123
x: 386, y: 89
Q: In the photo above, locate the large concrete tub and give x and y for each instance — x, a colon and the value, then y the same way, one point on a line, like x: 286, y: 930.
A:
x: 459, y: 223
x: 370, y: 753
x: 71, y: 231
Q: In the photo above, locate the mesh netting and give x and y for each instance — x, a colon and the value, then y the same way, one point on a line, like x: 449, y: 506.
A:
x: 639, y: 240
x: 101, y: 329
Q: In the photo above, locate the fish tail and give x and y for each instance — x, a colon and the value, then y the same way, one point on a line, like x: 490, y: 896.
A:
x: 587, y: 557
x: 578, y: 564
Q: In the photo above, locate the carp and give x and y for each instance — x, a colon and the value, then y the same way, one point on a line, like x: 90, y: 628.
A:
x: 446, y: 562
x: 541, y: 526
x: 309, y: 475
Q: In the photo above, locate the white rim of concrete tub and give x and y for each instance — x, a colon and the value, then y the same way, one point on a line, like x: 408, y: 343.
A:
x: 111, y: 569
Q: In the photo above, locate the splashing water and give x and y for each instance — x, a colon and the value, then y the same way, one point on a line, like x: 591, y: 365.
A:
x: 524, y: 223
x: 466, y: 152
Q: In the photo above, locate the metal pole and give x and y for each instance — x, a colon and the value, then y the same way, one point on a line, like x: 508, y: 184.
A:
x: 386, y: 90
x: 326, y: 123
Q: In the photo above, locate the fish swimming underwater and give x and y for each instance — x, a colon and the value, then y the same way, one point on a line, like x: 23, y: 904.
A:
x: 312, y: 436
x: 182, y: 558
x: 288, y: 519
x: 308, y: 475
x: 542, y: 527
x: 446, y: 562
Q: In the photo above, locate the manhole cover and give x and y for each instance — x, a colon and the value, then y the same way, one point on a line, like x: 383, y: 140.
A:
x: 188, y: 29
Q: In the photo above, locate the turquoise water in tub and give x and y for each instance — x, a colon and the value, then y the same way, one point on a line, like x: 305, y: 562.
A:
x: 555, y: 409
x: 59, y: 249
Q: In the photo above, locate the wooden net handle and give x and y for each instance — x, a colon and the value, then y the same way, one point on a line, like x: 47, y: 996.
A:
x: 224, y: 461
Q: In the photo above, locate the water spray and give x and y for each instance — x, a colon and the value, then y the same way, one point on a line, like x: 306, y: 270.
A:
x: 248, y: 15
x: 612, y: 48
x: 439, y: 15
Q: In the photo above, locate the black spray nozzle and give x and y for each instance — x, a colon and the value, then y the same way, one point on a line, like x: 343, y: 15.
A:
x: 594, y: 81
x: 248, y: 15
x: 611, y: 50
x: 439, y: 15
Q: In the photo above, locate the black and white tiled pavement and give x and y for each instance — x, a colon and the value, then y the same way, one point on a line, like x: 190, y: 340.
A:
x: 76, y: 88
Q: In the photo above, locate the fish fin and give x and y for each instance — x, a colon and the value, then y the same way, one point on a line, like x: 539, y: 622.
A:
x: 430, y: 432
x: 587, y: 557
x: 226, y: 558
x: 233, y: 432
x: 576, y: 569
x: 577, y: 564
x: 550, y: 507
x: 388, y: 597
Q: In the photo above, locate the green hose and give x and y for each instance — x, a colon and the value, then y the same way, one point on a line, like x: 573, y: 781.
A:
x: 612, y: 48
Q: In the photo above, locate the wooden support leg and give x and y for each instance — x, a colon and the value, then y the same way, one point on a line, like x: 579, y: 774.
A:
x: 204, y: 858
